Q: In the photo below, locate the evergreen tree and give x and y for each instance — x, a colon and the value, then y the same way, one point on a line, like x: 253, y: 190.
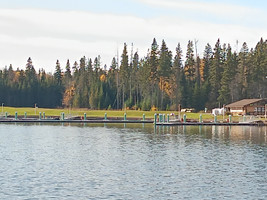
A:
x: 258, y: 84
x: 176, y: 75
x: 67, y: 73
x: 124, y: 74
x: 58, y: 84
x: 135, y: 79
x: 165, y: 67
x: 215, y: 74
x: 220, y: 76
x: 153, y: 65
x: 31, y: 84
x: 243, y: 70
x: 190, y: 73
x: 207, y: 61
x: 58, y: 74
x: 190, y: 70
x: 224, y: 91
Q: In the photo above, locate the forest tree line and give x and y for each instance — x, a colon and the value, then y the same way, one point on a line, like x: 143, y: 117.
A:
x: 160, y: 80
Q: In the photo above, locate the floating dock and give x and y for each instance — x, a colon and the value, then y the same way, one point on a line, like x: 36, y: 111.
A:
x: 119, y: 121
x: 258, y: 123
x: 157, y: 120
x: 73, y: 121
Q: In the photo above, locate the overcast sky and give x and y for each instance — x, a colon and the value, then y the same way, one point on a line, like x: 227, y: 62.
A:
x: 47, y: 30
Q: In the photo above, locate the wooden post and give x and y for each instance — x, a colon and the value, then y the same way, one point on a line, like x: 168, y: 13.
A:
x: 160, y: 118
x: 200, y: 118
x: 184, y: 118
x: 105, y: 117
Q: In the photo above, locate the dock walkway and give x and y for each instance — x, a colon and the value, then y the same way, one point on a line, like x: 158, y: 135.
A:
x: 136, y: 121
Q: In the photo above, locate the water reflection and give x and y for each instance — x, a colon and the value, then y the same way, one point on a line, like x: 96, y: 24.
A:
x: 254, y: 134
x: 132, y: 161
x: 251, y: 134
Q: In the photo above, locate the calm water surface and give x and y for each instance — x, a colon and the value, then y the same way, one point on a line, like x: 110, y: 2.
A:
x: 132, y: 162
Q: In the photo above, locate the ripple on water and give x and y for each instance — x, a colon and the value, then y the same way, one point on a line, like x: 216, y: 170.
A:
x: 132, y: 162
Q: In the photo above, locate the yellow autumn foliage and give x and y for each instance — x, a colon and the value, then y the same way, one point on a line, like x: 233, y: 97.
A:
x: 68, y: 95
x: 154, y: 108
x: 103, y: 78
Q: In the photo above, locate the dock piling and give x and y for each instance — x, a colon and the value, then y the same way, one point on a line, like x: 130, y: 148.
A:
x: 168, y: 118
x: 155, y: 118
x: 105, y: 116
x: 200, y: 118
x: 160, y: 118
x: 184, y: 117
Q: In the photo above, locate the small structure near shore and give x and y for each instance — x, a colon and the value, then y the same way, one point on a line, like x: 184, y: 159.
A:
x: 247, y: 107
x: 218, y: 111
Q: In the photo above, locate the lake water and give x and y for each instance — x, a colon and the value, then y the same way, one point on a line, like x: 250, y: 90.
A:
x: 132, y: 162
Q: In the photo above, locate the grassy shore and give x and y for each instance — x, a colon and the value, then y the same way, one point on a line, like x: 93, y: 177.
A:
x: 110, y: 113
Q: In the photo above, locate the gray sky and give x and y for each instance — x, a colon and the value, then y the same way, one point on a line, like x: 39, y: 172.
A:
x: 70, y: 29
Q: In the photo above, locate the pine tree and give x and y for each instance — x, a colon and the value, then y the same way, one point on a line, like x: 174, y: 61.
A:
x: 224, y: 91
x: 243, y: 71
x: 67, y: 74
x: 258, y: 86
x: 135, y: 78
x: 190, y: 73
x: 176, y: 75
x: 153, y: 65
x: 31, y: 84
x: 165, y: 67
x: 189, y: 69
x: 58, y: 74
x: 59, y: 87
x: 215, y: 74
x: 207, y: 61
x: 124, y: 74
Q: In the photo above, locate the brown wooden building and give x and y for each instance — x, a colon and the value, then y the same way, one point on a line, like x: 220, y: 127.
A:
x: 247, y: 107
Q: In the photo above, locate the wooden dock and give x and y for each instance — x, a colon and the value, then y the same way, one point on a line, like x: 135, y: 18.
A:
x: 132, y: 121
x: 79, y: 121
x: 258, y: 123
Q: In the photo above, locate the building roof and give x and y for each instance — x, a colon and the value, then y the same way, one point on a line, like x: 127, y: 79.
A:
x: 243, y: 102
